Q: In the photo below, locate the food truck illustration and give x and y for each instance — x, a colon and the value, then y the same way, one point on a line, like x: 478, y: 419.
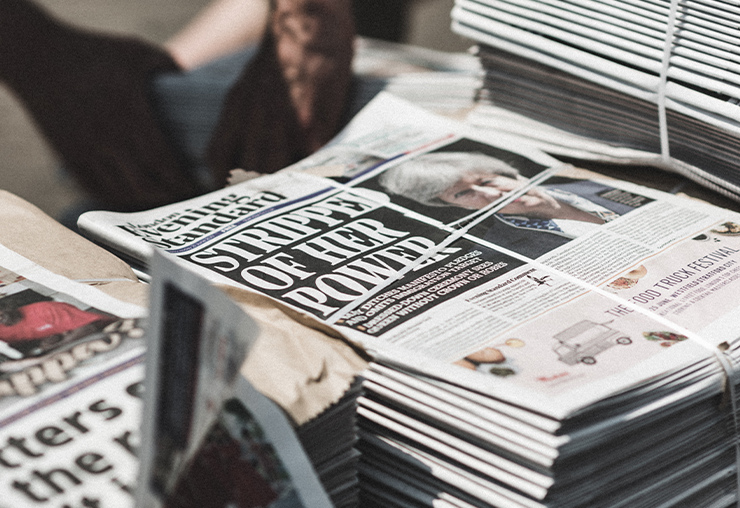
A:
x: 584, y: 340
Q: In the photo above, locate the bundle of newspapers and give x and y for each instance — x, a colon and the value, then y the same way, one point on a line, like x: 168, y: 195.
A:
x: 540, y: 335
x: 654, y: 82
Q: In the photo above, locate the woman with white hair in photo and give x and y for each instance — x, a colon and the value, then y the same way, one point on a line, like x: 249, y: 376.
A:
x: 469, y: 180
x: 566, y: 209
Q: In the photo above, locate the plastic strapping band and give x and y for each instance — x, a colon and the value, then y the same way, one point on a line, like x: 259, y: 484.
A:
x: 670, y: 29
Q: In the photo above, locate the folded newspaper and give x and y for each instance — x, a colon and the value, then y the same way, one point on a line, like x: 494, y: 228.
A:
x: 70, y: 388
x: 209, y: 438
x: 541, y: 336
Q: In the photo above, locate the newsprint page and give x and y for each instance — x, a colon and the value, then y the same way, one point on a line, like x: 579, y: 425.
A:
x: 209, y: 438
x: 71, y: 383
x: 480, y: 261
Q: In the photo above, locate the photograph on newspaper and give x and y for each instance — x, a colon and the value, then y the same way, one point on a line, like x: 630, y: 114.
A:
x: 552, y: 213
x: 54, y: 331
x: 453, y: 181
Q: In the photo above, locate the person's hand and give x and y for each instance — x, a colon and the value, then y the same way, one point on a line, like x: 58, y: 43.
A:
x: 291, y: 98
x: 89, y: 95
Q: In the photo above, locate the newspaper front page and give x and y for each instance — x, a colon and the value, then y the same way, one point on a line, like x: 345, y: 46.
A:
x: 478, y: 260
x: 70, y: 390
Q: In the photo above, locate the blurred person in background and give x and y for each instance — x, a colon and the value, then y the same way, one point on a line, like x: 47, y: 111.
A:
x: 254, y: 84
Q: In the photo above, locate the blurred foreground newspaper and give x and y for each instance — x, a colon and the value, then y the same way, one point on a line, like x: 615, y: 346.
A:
x: 209, y: 438
x: 70, y: 411
x: 70, y: 388
x: 517, y: 276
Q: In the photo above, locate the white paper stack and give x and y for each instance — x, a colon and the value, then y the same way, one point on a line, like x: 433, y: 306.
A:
x: 666, y: 443
x: 512, y: 365
x: 604, y: 71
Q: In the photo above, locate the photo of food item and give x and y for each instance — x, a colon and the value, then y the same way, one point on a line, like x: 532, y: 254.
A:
x: 727, y: 229
x: 637, y: 272
x: 485, y: 355
x: 514, y: 343
x: 501, y: 371
x: 629, y: 279
x: 490, y: 359
x: 666, y: 339
x: 622, y: 283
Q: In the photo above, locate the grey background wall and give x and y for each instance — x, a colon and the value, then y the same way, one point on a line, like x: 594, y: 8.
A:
x: 29, y: 169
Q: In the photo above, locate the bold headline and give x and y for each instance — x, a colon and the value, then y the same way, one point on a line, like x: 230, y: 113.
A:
x: 325, y: 255
x: 51, y: 463
x: 59, y: 366
x: 321, y: 256
x: 688, y: 277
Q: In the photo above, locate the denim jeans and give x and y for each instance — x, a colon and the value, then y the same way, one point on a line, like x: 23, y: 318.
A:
x: 189, y: 105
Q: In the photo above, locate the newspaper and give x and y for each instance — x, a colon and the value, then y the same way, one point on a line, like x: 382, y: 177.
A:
x: 70, y: 390
x: 545, y: 286
x: 645, y: 82
x: 209, y: 438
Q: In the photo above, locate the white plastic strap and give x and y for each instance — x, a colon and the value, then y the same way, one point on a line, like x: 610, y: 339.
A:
x: 670, y: 30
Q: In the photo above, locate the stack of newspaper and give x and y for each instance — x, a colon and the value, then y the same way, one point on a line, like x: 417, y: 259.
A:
x: 445, y: 83
x: 659, y: 78
x: 541, y: 336
x: 666, y: 442
x: 329, y: 442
